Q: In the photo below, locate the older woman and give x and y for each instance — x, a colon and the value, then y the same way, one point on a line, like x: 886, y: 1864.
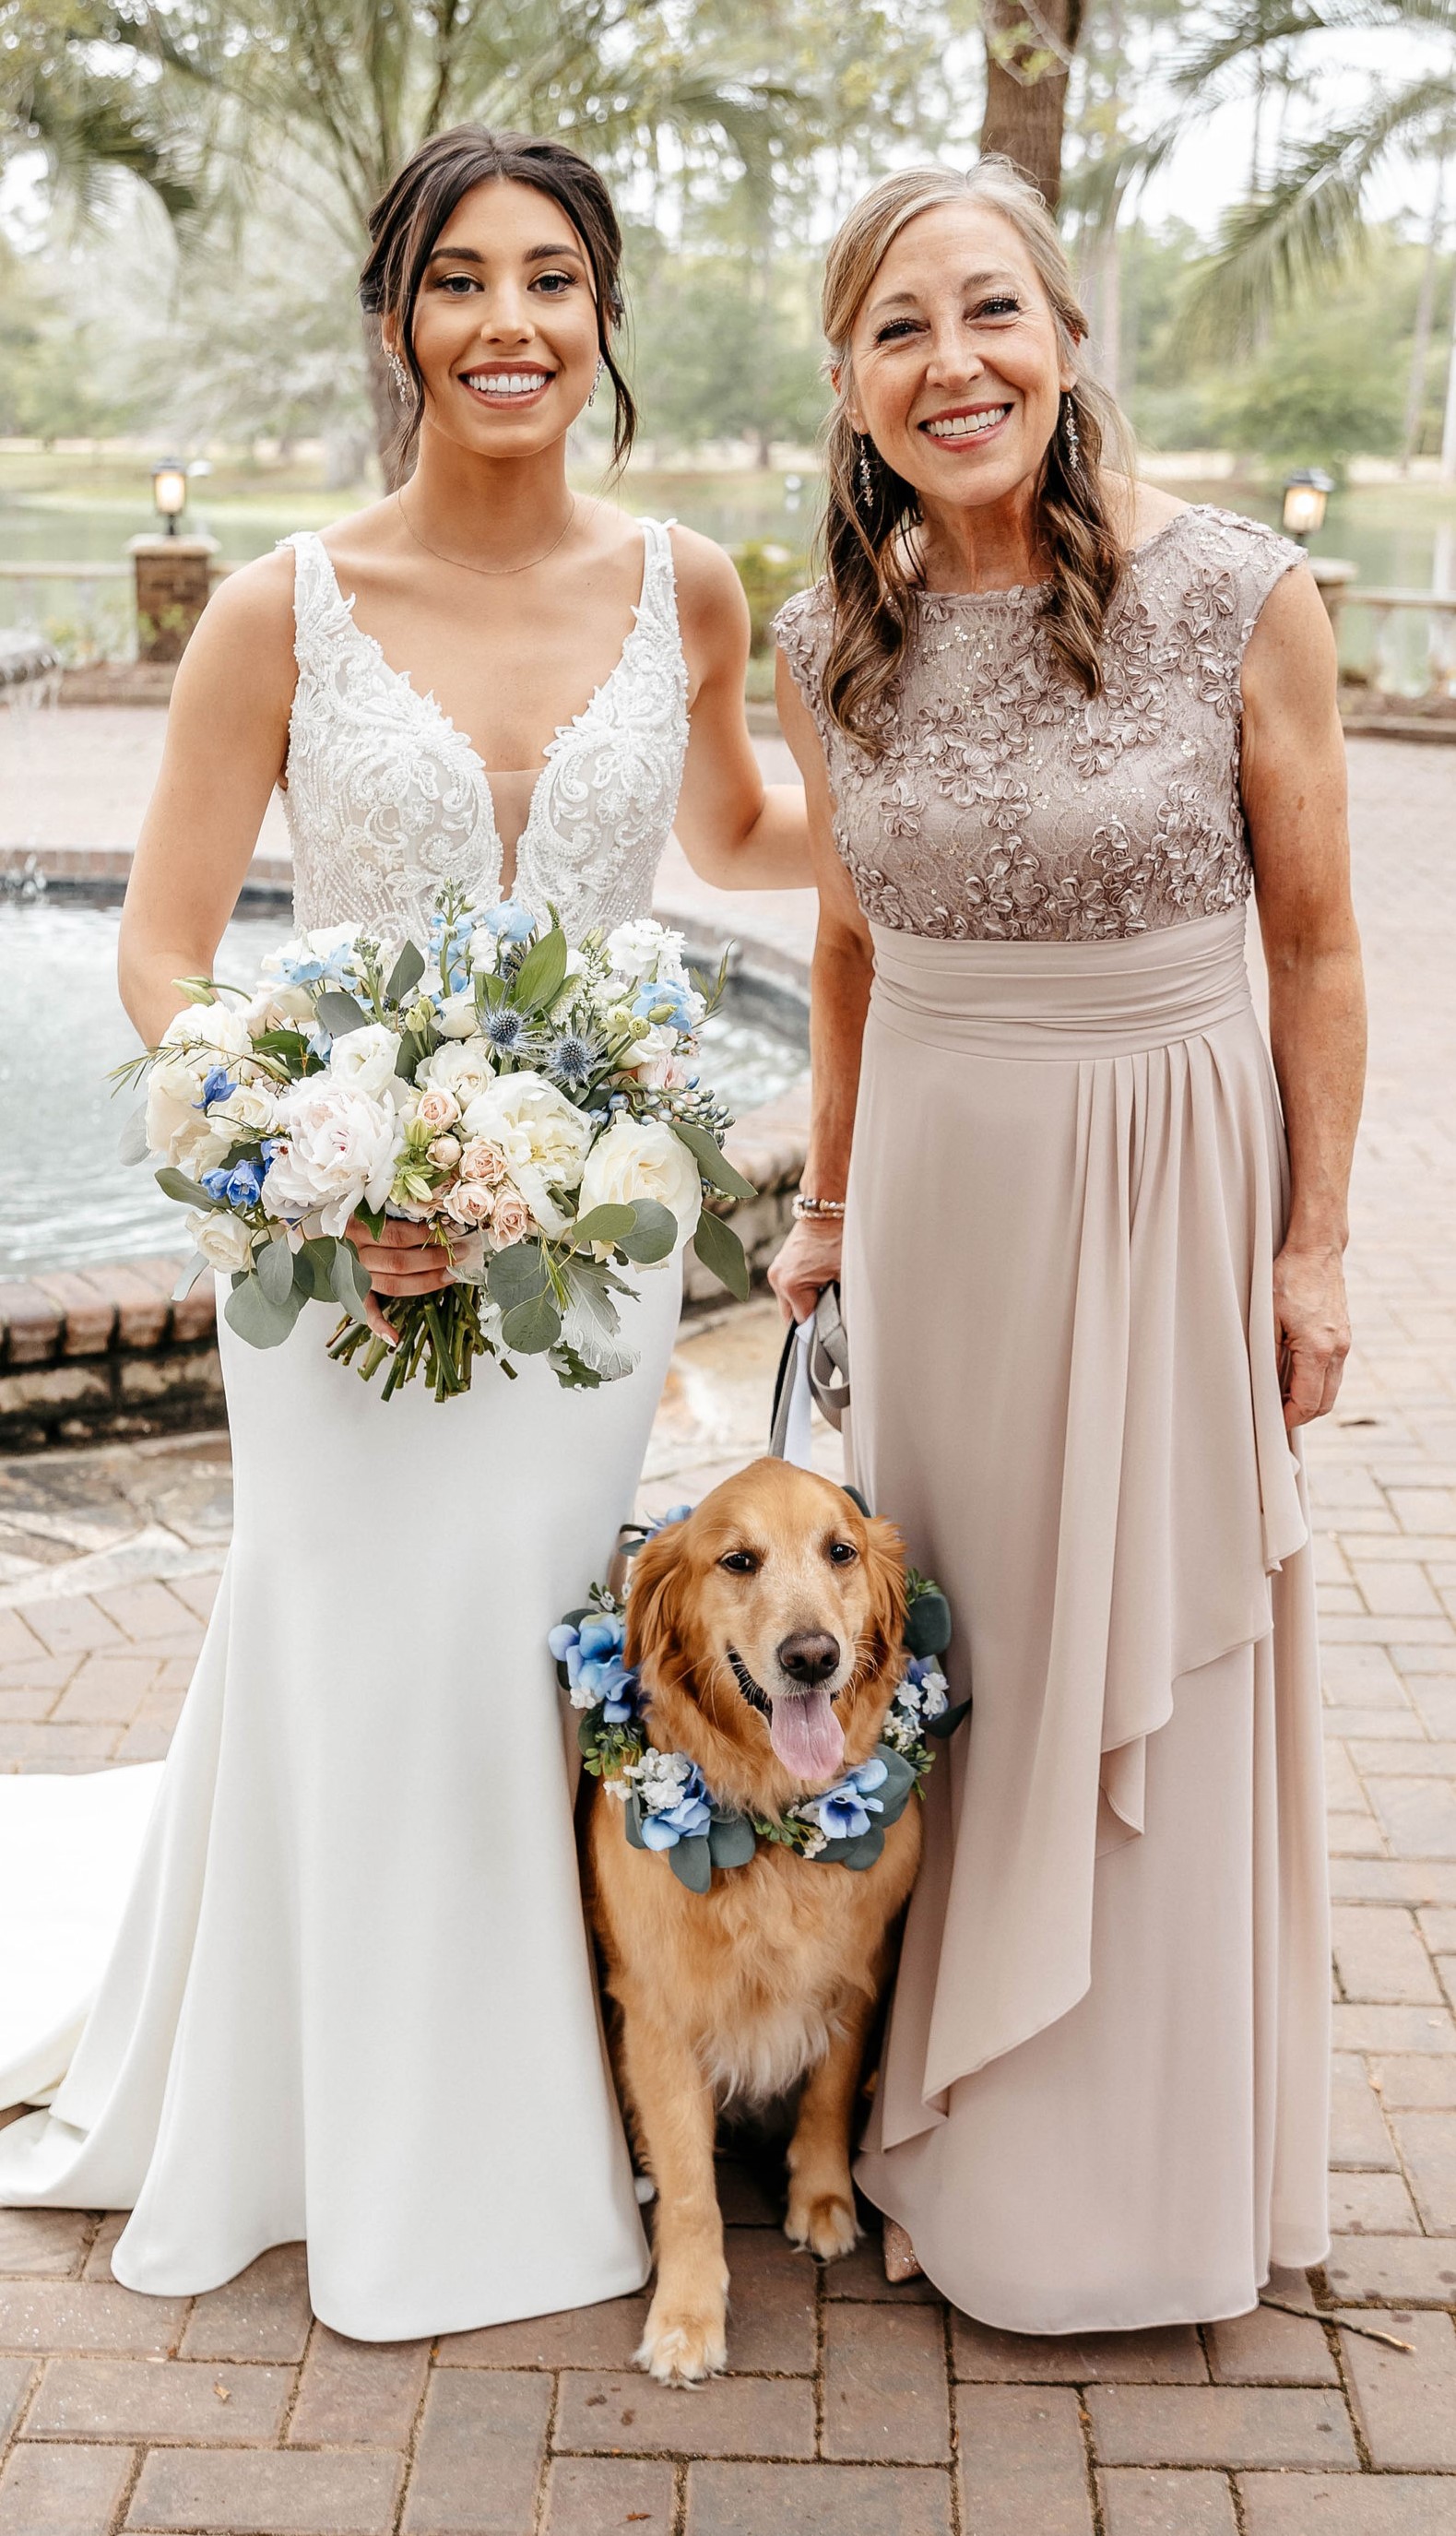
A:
x: 1054, y: 726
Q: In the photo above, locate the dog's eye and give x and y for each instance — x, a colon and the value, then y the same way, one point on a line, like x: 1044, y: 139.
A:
x: 739, y: 1562
x: 842, y: 1552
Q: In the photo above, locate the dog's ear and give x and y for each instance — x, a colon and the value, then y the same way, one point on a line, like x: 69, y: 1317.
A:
x: 655, y: 1605
x: 884, y: 1568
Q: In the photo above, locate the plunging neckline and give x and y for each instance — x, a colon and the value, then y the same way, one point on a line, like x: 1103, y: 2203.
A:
x: 429, y: 703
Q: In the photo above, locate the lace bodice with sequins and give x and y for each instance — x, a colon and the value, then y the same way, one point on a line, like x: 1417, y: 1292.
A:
x: 1010, y: 806
x: 386, y: 799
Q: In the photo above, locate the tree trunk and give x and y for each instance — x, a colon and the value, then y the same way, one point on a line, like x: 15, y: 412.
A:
x: 384, y: 404
x: 1029, y: 48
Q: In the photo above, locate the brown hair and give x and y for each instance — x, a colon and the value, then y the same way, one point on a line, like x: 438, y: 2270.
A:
x: 864, y: 539
x: 410, y: 215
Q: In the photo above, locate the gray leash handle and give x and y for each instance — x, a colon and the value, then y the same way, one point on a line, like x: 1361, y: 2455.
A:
x: 814, y: 1366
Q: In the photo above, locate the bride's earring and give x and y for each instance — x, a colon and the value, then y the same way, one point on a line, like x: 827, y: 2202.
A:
x: 398, y: 374
x: 1073, y: 437
x: 597, y: 381
x: 866, y: 471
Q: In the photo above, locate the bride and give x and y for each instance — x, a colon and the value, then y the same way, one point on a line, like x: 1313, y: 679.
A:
x: 351, y: 1998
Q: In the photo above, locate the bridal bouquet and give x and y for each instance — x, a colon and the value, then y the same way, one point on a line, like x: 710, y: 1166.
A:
x: 532, y: 1101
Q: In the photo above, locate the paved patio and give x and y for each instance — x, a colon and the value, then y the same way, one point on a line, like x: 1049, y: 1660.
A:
x: 849, y: 2406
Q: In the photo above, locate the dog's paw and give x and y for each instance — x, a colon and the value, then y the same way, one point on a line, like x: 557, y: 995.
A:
x: 824, y: 2222
x: 680, y: 2348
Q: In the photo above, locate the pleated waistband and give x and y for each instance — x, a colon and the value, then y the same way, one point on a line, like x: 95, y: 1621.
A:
x: 1062, y: 1000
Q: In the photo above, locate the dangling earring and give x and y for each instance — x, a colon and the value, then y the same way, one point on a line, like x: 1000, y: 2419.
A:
x: 597, y: 381
x: 1073, y: 437
x: 866, y: 473
x: 398, y: 374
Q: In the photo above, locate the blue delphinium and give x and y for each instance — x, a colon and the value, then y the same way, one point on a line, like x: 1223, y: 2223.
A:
x: 591, y: 1652
x: 844, y: 1811
x: 219, y: 1086
x: 448, y: 945
x: 509, y: 921
x: 667, y: 1002
x: 240, y: 1186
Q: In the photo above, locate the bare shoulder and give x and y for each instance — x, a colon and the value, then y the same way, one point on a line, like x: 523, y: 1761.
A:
x: 1139, y: 510
x: 711, y: 607
x: 1289, y: 662
x: 244, y: 641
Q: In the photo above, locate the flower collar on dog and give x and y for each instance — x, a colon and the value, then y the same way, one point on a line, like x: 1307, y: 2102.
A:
x: 667, y: 1803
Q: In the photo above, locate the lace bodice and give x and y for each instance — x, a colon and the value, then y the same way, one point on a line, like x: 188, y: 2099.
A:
x: 386, y: 799
x: 1008, y: 805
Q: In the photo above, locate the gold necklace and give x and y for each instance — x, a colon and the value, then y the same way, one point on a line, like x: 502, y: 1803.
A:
x: 490, y: 572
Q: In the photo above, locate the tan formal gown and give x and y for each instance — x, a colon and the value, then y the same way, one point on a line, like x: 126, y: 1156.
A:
x: 1102, y: 2101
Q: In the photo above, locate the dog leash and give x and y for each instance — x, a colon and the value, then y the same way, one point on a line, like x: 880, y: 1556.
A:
x: 814, y: 1367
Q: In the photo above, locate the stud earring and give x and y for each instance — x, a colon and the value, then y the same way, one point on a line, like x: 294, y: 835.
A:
x: 1073, y: 437
x: 398, y: 374
x: 866, y: 473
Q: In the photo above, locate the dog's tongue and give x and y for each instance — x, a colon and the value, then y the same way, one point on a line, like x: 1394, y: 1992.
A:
x: 807, y: 1735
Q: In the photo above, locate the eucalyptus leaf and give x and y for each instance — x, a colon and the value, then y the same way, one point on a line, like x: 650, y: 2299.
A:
x: 175, y: 1183
x: 339, y: 1013
x: 516, y: 1275
x: 533, y: 1326
x: 654, y: 1232
x: 317, y: 1259
x: 711, y: 1160
x: 192, y: 1269
x: 927, y: 1625
x: 275, y: 1271
x: 591, y: 1327
x: 406, y: 973
x: 133, y: 1146
x: 261, y: 1323
x: 347, y: 1278
x: 539, y: 979
x: 604, y: 1224
x: 721, y: 1252
x: 632, y: 1820
x: 731, y: 1840
x: 855, y: 1854
x: 691, y: 1861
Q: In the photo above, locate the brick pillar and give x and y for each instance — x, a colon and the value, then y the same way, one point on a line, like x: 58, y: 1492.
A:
x: 172, y: 592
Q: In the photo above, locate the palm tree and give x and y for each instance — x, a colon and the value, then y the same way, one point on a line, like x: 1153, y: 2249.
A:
x: 1304, y: 216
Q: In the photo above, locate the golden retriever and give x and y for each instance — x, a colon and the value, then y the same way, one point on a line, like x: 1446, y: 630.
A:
x: 767, y: 1631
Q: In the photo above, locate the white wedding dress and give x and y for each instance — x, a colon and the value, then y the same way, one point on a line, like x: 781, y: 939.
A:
x: 343, y: 1987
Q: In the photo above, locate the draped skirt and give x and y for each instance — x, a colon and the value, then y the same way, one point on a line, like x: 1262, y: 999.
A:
x: 1102, y: 2102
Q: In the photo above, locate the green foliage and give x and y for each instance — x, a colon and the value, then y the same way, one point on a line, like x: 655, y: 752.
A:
x: 727, y: 349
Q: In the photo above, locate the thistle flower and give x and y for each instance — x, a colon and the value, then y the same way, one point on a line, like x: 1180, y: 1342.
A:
x: 573, y: 1059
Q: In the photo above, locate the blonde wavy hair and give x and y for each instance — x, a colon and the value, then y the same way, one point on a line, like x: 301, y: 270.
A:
x: 867, y: 560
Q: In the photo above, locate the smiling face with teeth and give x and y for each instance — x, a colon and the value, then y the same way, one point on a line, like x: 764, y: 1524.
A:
x: 505, y: 323
x: 957, y: 367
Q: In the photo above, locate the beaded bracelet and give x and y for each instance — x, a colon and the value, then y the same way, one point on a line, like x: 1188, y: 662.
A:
x: 808, y: 1207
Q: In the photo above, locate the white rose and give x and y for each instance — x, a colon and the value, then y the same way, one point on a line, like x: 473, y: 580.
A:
x: 250, y: 1110
x: 277, y: 1007
x: 341, y: 1149
x: 177, y: 1127
x: 651, y: 1057
x: 212, y: 1026
x: 464, y: 1067
x: 542, y: 1136
x: 470, y: 1203
x: 223, y: 1239
x: 436, y: 1106
x: 640, y: 1158
x: 457, y: 1016
x: 364, y: 1060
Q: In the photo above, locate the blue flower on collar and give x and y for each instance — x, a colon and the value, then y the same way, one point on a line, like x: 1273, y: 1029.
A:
x: 844, y: 1811
x: 591, y: 1652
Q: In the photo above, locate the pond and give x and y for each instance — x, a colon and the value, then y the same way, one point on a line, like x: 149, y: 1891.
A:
x: 65, y: 1199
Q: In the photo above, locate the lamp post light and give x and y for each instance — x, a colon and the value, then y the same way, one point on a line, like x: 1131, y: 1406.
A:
x: 1306, y: 493
x: 169, y: 492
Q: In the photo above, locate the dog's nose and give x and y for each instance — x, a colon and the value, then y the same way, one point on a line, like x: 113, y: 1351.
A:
x: 808, y: 1656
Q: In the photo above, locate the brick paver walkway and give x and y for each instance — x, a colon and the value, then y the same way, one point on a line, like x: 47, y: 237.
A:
x: 850, y: 2407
